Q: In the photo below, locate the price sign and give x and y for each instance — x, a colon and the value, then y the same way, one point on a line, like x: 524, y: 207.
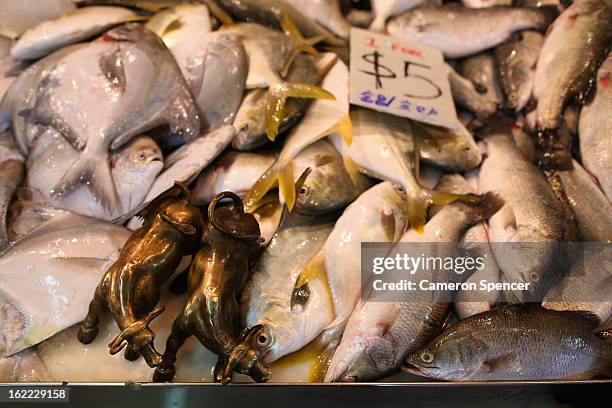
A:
x: 403, y: 78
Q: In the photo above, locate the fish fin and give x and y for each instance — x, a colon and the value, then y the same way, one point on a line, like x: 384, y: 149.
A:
x: 418, y: 204
x: 315, y: 268
x: 300, y: 43
x: 96, y: 174
x: 492, y: 365
x: 286, y: 184
x: 111, y: 65
x: 277, y: 99
x: 219, y: 13
x: 258, y: 191
x: 352, y: 169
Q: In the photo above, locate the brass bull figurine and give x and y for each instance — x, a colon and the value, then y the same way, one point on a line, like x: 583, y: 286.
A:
x: 218, y: 274
x: 131, y: 287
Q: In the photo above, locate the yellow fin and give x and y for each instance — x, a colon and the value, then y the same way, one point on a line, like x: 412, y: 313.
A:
x: 164, y: 22
x: 344, y: 128
x: 286, y: 184
x: 277, y: 99
x: 258, y: 191
x: 301, y: 44
x: 352, y: 169
x: 219, y: 13
x: 314, y: 269
x: 419, y: 205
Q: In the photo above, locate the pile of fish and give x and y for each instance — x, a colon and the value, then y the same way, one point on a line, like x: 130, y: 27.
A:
x: 126, y: 126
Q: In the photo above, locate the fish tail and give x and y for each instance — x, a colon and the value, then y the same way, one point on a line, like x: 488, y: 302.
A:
x: 277, y: 100
x: 286, y: 184
x: 95, y: 173
x: 421, y: 201
x: 352, y: 169
x: 258, y: 191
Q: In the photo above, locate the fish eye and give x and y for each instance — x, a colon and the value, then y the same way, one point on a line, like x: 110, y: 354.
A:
x: 244, y: 128
x: 141, y: 156
x: 400, y: 189
x: 263, y: 339
x: 427, y: 357
x: 303, y: 190
x: 534, y: 276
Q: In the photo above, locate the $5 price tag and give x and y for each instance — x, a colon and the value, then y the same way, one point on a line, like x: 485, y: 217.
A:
x: 403, y: 78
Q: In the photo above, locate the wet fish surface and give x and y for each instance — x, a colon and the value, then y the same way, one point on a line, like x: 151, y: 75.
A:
x: 561, y: 346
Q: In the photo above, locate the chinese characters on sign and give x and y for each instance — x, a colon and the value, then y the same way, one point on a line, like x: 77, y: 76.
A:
x: 403, y: 78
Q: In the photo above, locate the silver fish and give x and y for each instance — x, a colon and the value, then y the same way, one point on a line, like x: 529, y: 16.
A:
x: 291, y: 320
x: 459, y: 32
x: 70, y: 28
x: 18, y: 16
x: 481, y: 70
x: 532, y: 214
x: 63, y: 260
x: 561, y: 345
x: 134, y: 86
x: 592, y: 210
x: 215, y: 67
x: 468, y: 94
x: 516, y: 60
x: 577, y: 43
x: 380, y: 334
x: 133, y: 168
x: 596, y: 130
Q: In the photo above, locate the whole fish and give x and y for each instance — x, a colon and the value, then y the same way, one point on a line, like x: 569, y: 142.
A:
x: 290, y: 320
x: 63, y: 260
x: 12, y: 171
x: 592, y: 210
x: 268, y: 12
x: 450, y: 149
x: 385, y: 9
x: 561, y: 345
x: 516, y: 60
x: 70, y: 28
x: 325, y: 117
x: 133, y: 168
x: 531, y: 214
x: 469, y: 95
x: 481, y: 70
x: 266, y: 112
x: 383, y: 147
x: 134, y: 86
x: 460, y: 32
x: 574, y: 48
x: 18, y: 16
x: 327, y: 13
x: 232, y: 171
x: 376, y: 216
x: 187, y: 162
x: 596, y: 130
x: 380, y: 334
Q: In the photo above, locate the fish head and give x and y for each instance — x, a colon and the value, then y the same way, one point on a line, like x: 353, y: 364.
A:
x: 290, y: 324
x: 449, y: 357
x: 327, y: 188
x: 249, y: 121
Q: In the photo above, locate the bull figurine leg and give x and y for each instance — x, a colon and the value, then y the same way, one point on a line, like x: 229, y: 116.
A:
x: 131, y: 354
x: 166, y: 371
x: 88, y: 329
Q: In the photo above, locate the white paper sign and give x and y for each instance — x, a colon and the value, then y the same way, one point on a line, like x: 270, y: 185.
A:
x: 400, y: 77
